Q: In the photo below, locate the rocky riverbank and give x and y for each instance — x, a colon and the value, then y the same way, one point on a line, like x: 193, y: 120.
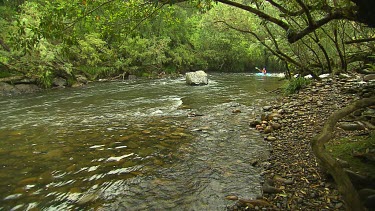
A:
x: 16, y: 85
x: 293, y: 179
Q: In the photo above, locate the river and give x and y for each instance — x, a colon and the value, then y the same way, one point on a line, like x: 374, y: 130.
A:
x: 133, y: 145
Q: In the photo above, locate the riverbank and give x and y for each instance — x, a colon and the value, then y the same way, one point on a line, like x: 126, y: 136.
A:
x: 293, y: 179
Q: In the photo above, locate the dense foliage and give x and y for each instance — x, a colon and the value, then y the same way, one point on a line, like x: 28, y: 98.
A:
x: 44, y: 39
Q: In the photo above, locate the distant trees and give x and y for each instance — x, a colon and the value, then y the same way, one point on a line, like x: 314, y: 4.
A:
x: 103, y: 38
x: 325, y: 36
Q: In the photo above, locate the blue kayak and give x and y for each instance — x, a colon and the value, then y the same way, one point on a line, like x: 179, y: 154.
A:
x: 262, y: 74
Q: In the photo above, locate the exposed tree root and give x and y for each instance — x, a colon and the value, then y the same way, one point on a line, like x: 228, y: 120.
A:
x: 329, y: 164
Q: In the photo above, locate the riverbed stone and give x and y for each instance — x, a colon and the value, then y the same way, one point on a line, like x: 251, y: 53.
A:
x: 273, y: 115
x: 275, y: 125
x: 59, y: 82
x: 254, y: 123
x: 270, y: 189
x: 267, y: 108
x: 271, y: 138
x: 231, y: 197
x: 369, y: 77
x: 82, y: 79
x: 196, y: 78
x: 77, y: 84
x: 27, y: 88
x: 268, y: 129
x: 350, y: 126
x: 6, y: 89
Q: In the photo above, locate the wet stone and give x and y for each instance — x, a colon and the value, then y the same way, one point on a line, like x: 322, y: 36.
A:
x: 271, y: 138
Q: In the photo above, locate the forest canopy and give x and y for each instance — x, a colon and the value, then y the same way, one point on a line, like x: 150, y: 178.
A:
x: 104, y: 38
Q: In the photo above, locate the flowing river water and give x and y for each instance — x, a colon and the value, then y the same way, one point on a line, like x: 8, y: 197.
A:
x: 133, y: 145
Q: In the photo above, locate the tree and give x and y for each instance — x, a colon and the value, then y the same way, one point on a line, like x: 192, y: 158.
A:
x: 318, y: 31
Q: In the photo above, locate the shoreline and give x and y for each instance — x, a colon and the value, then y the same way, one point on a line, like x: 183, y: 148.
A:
x: 293, y: 179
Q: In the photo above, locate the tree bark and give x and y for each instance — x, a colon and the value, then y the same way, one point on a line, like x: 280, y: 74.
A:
x: 329, y: 164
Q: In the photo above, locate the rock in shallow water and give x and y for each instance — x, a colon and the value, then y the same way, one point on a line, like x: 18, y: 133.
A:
x: 196, y: 78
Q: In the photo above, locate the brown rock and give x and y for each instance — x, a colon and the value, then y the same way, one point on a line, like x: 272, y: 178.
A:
x: 256, y: 202
x: 231, y: 197
x: 275, y: 125
x: 268, y: 129
x: 271, y: 138
x: 273, y: 115
x: 254, y: 123
x: 350, y: 126
x: 270, y: 189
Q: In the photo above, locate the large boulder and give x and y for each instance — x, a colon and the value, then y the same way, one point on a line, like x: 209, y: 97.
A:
x: 82, y: 79
x: 197, y: 78
x: 7, y: 89
x: 27, y: 88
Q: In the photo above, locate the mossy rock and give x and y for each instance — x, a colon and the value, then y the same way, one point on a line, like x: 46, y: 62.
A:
x: 357, y: 151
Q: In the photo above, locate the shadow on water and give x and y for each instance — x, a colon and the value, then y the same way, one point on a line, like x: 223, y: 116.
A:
x: 134, y: 145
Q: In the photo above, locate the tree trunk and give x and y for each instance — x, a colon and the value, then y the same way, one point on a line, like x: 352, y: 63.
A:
x: 329, y: 164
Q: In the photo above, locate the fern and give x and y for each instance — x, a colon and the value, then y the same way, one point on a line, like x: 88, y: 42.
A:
x: 295, y: 84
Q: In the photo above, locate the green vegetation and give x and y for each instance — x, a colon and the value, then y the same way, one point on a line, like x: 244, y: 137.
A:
x: 105, y: 38
x: 353, y: 150
x: 295, y: 84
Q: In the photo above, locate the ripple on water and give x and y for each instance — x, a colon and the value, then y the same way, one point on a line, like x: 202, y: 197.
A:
x: 126, y: 145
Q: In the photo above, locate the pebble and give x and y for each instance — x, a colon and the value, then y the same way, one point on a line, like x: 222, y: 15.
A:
x: 304, y: 186
x: 233, y: 198
x: 270, y: 189
x: 271, y: 138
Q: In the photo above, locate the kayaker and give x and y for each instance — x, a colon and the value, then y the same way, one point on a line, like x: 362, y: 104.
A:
x: 264, y: 71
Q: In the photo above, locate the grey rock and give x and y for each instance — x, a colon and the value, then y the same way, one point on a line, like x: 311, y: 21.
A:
x: 82, y: 79
x: 267, y: 108
x: 27, y: 88
x: 196, y: 78
x: 7, y: 89
x: 59, y: 82
x: 350, y: 126
x: 369, y: 77
x: 358, y: 180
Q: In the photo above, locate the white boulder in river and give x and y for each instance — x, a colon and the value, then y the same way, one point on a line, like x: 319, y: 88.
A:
x: 196, y: 78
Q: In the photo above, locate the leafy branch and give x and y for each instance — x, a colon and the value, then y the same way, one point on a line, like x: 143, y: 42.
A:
x: 71, y: 24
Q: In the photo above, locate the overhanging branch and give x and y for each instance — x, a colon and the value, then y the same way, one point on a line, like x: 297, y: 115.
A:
x: 293, y: 36
x: 258, y: 13
x: 360, y: 40
x: 88, y: 13
x: 278, y: 53
x: 334, y: 15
